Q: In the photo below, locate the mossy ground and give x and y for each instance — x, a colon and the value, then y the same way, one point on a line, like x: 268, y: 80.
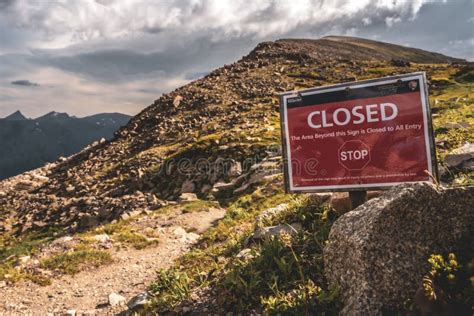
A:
x: 13, y: 247
x: 75, y: 261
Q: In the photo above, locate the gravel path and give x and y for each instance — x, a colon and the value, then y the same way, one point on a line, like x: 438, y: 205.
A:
x: 131, y: 272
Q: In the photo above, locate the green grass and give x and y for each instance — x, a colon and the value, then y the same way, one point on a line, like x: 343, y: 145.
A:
x: 134, y: 239
x: 123, y: 232
x: 12, y: 247
x: 75, y: 261
x: 198, y: 206
x: 448, y: 110
x: 283, y: 276
x: 25, y: 244
x: 305, y: 74
x: 221, y: 241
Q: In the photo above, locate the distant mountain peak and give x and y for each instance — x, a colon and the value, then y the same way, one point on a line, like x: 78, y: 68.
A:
x: 16, y: 116
x: 31, y: 143
x: 54, y: 115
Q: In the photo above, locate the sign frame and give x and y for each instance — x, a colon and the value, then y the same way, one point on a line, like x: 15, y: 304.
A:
x: 428, y: 132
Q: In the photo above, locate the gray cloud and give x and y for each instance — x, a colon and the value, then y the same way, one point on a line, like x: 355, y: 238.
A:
x: 189, y: 59
x: 121, y: 54
x: 56, y: 24
x: 25, y: 83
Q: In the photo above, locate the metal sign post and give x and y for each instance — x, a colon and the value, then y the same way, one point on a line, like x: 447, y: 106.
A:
x: 356, y: 136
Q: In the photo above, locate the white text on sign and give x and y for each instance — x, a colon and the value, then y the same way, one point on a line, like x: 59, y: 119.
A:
x: 354, y: 154
x: 358, y: 115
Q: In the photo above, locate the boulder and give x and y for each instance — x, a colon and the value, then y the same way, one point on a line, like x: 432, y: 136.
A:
x: 377, y: 254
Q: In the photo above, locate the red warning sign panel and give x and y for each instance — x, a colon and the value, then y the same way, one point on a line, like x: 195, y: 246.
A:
x: 359, y: 135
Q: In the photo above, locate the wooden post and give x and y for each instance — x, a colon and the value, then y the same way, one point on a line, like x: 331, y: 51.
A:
x: 357, y: 198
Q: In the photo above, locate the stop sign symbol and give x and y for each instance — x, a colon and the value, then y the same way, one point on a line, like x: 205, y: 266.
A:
x: 354, y: 155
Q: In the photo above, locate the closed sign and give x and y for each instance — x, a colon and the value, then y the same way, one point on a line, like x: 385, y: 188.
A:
x: 359, y: 135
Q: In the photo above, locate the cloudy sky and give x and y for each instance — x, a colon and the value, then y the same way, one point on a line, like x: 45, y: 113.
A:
x: 90, y: 56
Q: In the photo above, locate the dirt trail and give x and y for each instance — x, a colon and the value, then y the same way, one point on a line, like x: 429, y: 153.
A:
x: 131, y: 272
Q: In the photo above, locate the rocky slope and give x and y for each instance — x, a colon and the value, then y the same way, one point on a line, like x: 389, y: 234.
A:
x: 218, y: 139
x: 30, y: 143
x: 231, y: 105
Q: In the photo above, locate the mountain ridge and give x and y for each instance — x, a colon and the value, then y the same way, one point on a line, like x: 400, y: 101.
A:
x: 19, y: 114
x: 394, y: 51
x: 29, y: 143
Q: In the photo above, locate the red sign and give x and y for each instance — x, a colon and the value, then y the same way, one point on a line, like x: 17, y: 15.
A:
x: 366, y: 134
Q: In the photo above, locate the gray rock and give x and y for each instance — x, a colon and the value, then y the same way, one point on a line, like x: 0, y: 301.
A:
x: 377, y: 254
x: 246, y: 254
x: 187, y: 187
x: 184, y: 236
x: 25, y: 185
x: 235, y: 169
x: 206, y: 188
x: 89, y: 221
x: 185, y: 309
x: 313, y: 199
x: 461, y: 158
x: 340, y: 202
x: 102, y: 238
x: 104, y: 241
x: 460, y: 125
x: 116, y: 299
x: 64, y: 243
x: 266, y: 232
x: 24, y: 260
x: 138, y: 302
x: 222, y: 186
x: 270, y: 213
x: 187, y: 197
